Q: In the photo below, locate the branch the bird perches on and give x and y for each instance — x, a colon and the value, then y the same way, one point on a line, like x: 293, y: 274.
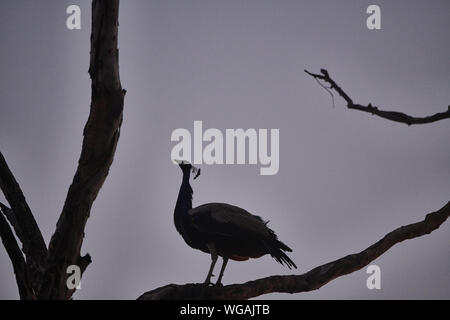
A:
x: 309, y: 281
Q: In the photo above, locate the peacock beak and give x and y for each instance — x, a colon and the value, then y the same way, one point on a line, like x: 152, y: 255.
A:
x: 196, y: 172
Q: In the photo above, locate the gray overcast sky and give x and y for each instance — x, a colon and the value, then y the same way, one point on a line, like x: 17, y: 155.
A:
x: 346, y: 178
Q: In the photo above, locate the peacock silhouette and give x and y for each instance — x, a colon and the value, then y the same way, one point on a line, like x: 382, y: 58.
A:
x: 224, y: 230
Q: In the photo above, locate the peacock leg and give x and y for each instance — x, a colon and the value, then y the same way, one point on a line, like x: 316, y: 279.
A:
x: 224, y: 264
x: 214, y: 256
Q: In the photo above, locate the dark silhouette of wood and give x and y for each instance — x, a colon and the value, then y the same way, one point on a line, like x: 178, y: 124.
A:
x: 22, y: 220
x: 21, y: 217
x: 16, y: 257
x: 43, y: 274
x: 390, y: 115
x: 309, y: 281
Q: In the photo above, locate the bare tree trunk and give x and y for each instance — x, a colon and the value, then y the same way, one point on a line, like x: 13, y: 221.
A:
x: 43, y: 275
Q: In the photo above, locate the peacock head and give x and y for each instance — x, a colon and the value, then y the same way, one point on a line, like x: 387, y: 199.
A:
x: 186, y: 167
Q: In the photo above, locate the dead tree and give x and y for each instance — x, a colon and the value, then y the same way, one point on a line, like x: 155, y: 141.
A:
x: 321, y: 275
x: 41, y: 272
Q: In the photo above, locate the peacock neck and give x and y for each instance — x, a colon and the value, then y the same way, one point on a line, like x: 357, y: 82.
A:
x: 184, y: 202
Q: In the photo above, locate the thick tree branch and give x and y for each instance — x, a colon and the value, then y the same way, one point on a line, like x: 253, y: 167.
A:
x: 313, y: 279
x: 390, y: 115
x: 101, y: 134
x: 16, y: 257
x: 22, y: 220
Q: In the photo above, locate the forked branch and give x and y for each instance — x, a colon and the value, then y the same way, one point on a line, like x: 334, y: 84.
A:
x: 42, y: 273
